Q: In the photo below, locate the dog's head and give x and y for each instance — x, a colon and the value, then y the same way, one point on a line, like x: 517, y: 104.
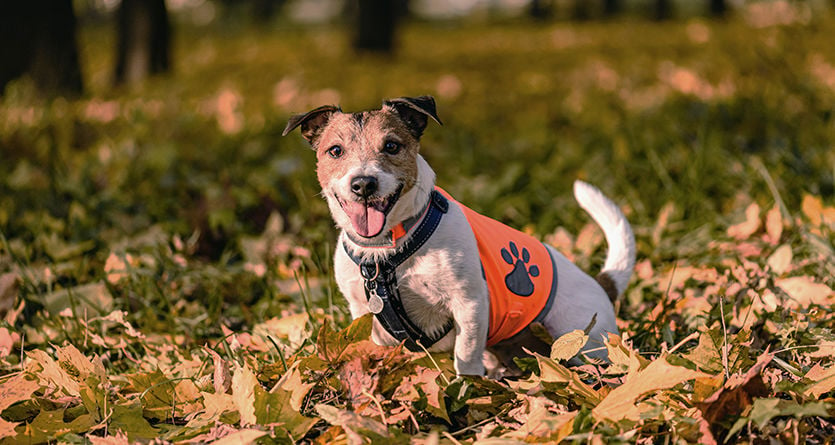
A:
x: 367, y: 162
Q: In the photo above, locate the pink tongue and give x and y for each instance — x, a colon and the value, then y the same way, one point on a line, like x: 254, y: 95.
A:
x: 367, y: 220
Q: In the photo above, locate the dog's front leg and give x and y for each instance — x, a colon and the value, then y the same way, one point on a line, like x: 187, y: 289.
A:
x: 472, y: 317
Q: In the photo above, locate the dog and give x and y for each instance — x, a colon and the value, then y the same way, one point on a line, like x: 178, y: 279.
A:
x: 437, y: 275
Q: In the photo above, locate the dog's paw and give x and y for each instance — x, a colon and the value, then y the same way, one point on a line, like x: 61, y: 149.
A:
x: 518, y: 280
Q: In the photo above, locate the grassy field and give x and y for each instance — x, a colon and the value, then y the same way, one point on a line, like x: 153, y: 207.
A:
x: 164, y: 253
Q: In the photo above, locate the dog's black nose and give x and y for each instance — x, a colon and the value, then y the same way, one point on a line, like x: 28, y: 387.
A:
x: 364, y: 186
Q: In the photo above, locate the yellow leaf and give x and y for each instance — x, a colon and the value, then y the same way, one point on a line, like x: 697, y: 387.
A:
x: 826, y: 348
x: 568, y: 345
x: 551, y: 371
x: 660, y: 374
x: 50, y: 373
x: 812, y: 207
x: 824, y: 381
x: 781, y: 259
x: 745, y: 229
x: 804, y: 290
x: 240, y: 437
x: 243, y: 394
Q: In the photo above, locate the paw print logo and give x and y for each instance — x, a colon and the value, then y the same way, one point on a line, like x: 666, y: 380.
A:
x: 519, y: 279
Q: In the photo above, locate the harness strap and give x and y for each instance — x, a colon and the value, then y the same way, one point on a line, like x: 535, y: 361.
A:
x: 381, y: 290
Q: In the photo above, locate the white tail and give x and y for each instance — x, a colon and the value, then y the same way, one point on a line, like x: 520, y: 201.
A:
x: 620, y: 260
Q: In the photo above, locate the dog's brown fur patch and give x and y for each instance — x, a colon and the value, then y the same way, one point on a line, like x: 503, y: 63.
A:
x: 362, y: 137
x: 608, y: 285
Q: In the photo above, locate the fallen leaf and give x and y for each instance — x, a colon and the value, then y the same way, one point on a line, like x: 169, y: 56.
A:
x: 804, y: 291
x: 241, y: 437
x: 243, y: 394
x: 735, y: 396
x: 17, y: 388
x: 568, y: 345
x: 781, y: 259
x: 745, y: 229
x: 7, y: 341
x: 357, y: 426
x: 129, y: 420
x: 823, y: 381
x: 774, y: 224
x: 552, y: 371
x: 7, y: 429
x: 50, y: 373
x: 621, y: 403
x: 221, y: 377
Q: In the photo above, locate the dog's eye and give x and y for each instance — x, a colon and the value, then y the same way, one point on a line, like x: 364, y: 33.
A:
x: 391, y: 147
x: 335, y: 152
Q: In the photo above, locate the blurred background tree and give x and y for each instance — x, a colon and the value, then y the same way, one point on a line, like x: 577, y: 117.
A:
x: 37, y: 38
x: 144, y: 40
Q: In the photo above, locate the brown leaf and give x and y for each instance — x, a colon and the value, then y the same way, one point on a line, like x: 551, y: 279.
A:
x: 7, y: 429
x: 745, y: 229
x: 243, y: 394
x: 221, y: 377
x: 621, y: 403
x: 240, y: 437
x: 734, y: 397
x: 781, y: 259
x: 17, y: 388
x: 823, y: 381
x: 7, y: 341
x: 357, y: 381
x: 804, y: 291
x: 774, y: 224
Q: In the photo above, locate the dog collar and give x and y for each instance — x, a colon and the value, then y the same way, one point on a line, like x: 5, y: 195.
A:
x: 397, y: 232
x: 380, y: 277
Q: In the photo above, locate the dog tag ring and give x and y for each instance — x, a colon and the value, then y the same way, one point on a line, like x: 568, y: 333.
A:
x: 375, y: 303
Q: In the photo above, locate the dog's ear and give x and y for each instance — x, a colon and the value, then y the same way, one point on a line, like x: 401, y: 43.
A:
x: 311, y: 122
x: 415, y: 112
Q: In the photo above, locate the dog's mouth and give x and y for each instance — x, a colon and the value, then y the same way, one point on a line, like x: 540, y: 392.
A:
x: 368, y: 216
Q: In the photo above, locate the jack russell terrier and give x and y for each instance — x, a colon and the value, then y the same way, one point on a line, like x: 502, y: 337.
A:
x: 437, y: 275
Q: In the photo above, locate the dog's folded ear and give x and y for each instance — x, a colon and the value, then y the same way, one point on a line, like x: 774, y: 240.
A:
x: 415, y: 112
x: 311, y: 122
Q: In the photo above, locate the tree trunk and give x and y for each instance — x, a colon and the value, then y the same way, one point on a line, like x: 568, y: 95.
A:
x: 663, y: 10
x: 540, y: 10
x: 718, y: 8
x: 144, y: 40
x: 376, y: 22
x: 611, y: 7
x: 581, y: 10
x: 37, y: 37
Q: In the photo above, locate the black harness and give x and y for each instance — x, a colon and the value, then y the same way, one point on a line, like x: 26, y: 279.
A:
x: 381, y: 289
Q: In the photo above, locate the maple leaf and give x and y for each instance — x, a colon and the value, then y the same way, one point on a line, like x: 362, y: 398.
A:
x: 422, y: 386
x: 17, y: 388
x: 660, y: 374
x: 733, y: 398
x: 331, y: 344
x: 355, y: 426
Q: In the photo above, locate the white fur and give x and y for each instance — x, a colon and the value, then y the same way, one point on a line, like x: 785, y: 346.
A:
x: 620, y: 260
x: 443, y: 278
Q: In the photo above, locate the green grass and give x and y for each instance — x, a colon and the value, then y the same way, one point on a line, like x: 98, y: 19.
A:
x: 221, y: 217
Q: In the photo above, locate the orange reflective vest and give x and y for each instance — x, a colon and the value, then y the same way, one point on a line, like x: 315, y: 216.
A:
x: 521, y: 274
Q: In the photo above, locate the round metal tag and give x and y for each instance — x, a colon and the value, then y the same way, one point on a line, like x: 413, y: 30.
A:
x: 375, y: 304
